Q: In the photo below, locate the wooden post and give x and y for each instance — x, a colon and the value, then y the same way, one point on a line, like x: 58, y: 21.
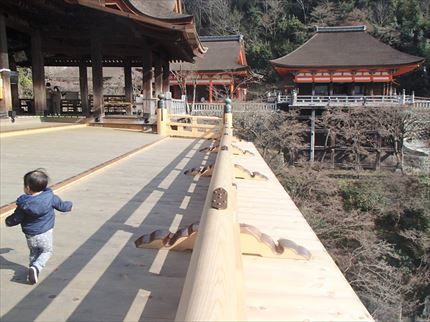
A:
x: 97, y: 69
x: 83, y: 87
x: 38, y: 73
x: 378, y: 152
x: 147, y: 74
x: 166, y: 75
x: 312, y: 151
x: 6, y: 99
x: 158, y: 75
x: 333, y: 150
x: 231, y: 89
x: 210, y: 91
x: 14, y: 90
x: 128, y: 86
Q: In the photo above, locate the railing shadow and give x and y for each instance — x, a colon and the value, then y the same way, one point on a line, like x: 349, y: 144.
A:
x: 138, y: 284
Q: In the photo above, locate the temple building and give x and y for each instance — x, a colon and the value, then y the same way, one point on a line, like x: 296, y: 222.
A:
x: 93, y: 34
x: 340, y: 61
x: 221, y: 72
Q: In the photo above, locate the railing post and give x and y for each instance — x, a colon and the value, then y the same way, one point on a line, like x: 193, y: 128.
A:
x: 294, y: 97
x: 162, y: 116
x: 413, y: 98
x: 403, y: 96
x: 228, y: 116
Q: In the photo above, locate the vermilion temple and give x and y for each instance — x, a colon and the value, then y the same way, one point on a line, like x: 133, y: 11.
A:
x: 343, y: 61
x: 220, y: 72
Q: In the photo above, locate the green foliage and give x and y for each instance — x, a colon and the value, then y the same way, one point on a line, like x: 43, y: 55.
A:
x: 274, y: 28
x: 362, y: 196
x: 25, y: 82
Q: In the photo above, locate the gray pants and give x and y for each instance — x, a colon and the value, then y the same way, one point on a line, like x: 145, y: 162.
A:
x: 40, y: 249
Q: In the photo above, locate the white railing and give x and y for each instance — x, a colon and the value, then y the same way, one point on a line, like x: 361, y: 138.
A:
x: 354, y: 100
x: 175, y: 106
x: 217, y: 109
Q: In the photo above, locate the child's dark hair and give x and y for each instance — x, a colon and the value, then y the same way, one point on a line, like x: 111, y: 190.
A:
x: 36, y: 180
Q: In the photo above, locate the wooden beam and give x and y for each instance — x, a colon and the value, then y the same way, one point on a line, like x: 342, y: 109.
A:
x: 83, y: 87
x: 97, y: 71
x: 38, y: 73
x: 6, y: 98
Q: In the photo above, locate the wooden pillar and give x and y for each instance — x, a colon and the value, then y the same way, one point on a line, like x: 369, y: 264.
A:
x: 231, y: 89
x: 147, y: 74
x: 83, y: 86
x: 6, y: 99
x: 312, y: 137
x: 158, y: 75
x: 333, y: 148
x: 97, y: 71
x: 38, y: 73
x: 128, y: 86
x: 378, y: 152
x: 166, y: 75
x: 14, y: 90
x: 210, y: 91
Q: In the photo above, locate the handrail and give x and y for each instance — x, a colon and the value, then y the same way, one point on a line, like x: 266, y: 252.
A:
x: 214, y: 289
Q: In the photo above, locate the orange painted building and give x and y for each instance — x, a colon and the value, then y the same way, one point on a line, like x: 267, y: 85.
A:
x: 219, y: 73
x: 343, y: 61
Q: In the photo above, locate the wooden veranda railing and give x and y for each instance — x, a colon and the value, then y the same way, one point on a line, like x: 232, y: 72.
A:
x: 214, y: 286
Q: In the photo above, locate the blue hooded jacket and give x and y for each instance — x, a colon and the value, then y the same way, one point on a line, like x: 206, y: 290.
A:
x: 35, y: 213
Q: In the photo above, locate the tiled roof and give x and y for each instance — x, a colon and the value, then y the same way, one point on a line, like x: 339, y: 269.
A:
x: 222, y: 55
x: 162, y: 9
x: 344, y: 46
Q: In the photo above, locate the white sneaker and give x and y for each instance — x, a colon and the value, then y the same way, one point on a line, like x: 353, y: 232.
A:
x: 32, y: 275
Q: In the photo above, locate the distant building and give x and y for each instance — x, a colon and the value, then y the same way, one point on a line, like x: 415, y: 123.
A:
x: 96, y: 34
x: 220, y: 72
x: 343, y: 61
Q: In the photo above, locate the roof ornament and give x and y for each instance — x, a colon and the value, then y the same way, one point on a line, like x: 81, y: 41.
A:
x: 340, y: 28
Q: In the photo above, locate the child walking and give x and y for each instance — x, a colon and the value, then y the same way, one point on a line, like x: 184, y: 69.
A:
x: 35, y: 213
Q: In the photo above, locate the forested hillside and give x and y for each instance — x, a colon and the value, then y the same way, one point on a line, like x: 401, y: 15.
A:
x: 273, y: 28
x: 375, y: 224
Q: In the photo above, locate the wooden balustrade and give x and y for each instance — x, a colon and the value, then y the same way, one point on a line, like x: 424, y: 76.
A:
x: 193, y: 126
x: 214, y: 288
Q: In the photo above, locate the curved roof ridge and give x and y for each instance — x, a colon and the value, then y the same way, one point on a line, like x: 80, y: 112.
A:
x: 238, y: 37
x: 340, y: 28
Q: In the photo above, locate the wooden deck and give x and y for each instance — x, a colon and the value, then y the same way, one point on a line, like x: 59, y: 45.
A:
x: 97, y: 274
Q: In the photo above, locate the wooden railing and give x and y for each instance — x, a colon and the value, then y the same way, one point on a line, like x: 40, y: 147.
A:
x: 193, y: 126
x: 214, y: 287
